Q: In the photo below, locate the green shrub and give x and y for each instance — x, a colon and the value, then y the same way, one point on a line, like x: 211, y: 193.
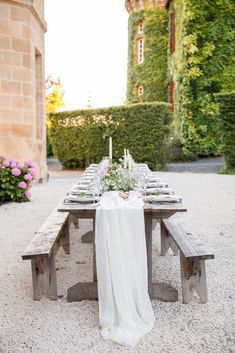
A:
x: 226, y: 103
x: 80, y: 137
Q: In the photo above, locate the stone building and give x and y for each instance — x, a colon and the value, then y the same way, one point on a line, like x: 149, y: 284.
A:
x: 147, y: 51
x: 22, y: 97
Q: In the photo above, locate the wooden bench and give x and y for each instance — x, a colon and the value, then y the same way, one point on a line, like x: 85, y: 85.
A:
x: 192, y: 258
x: 52, y: 235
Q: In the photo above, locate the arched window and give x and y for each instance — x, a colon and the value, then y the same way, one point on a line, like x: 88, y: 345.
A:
x: 140, y: 42
x: 140, y: 50
x: 140, y: 28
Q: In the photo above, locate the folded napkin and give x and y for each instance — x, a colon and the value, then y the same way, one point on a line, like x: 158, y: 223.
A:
x: 159, y: 191
x: 162, y: 198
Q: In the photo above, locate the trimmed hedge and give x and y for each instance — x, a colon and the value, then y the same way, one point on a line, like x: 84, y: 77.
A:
x: 227, y: 126
x: 80, y: 137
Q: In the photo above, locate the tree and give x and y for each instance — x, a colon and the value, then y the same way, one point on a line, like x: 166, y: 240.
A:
x: 54, y: 95
x: 54, y: 101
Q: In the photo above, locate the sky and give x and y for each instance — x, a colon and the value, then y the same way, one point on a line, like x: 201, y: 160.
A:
x: 86, y: 47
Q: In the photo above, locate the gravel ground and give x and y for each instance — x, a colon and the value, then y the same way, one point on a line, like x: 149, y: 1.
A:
x: 60, y: 327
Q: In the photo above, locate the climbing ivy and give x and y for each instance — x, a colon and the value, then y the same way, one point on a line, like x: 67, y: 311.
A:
x: 227, y: 127
x: 152, y: 73
x: 203, y: 64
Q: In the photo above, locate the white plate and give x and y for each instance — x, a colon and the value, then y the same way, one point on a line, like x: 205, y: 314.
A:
x: 79, y: 199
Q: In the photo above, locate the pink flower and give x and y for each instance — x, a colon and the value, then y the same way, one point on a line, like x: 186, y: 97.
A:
x: 32, y: 172
x: 16, y: 172
x: 27, y: 195
x: 28, y: 177
x: 30, y: 185
x: 13, y: 165
x: 13, y: 160
x: 28, y: 164
x: 20, y: 166
x: 22, y: 185
x: 6, y: 163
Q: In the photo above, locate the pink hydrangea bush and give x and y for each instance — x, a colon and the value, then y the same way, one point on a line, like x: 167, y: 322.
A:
x: 15, y: 180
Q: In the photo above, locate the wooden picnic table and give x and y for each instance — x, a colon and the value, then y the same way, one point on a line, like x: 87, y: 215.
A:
x: 158, y: 211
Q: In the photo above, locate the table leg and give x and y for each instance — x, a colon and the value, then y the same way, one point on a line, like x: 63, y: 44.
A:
x: 148, y: 237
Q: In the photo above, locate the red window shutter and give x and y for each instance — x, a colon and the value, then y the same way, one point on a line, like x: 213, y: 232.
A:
x: 172, y: 32
x: 172, y: 88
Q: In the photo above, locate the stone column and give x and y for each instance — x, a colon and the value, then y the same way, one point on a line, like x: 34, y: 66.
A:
x: 22, y: 92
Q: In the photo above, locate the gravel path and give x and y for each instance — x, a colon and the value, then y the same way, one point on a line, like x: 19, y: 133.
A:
x: 60, y: 327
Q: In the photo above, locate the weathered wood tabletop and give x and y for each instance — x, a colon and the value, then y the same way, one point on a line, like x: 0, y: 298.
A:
x: 88, y: 290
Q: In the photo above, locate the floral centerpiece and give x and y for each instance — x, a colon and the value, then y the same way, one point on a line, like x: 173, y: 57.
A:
x: 15, y: 180
x: 118, y: 178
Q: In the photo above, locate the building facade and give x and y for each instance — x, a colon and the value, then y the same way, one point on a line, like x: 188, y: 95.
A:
x: 22, y: 87
x: 147, y: 51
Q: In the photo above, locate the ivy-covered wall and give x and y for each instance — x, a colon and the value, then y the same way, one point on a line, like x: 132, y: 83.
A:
x: 203, y: 64
x: 226, y: 103
x: 152, y: 73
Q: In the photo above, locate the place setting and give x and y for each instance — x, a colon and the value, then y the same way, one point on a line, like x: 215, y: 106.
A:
x: 125, y: 176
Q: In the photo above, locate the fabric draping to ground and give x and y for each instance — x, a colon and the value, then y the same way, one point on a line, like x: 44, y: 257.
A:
x: 125, y: 309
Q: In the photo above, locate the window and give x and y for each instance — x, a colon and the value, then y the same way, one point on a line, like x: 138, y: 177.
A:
x: 140, y: 90
x: 140, y: 28
x: 172, y: 32
x: 140, y: 50
x: 140, y: 42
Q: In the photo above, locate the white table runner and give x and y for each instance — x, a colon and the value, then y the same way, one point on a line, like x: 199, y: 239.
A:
x: 125, y: 309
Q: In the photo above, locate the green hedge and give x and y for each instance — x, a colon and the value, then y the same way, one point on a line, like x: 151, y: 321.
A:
x: 80, y: 137
x: 202, y: 65
x: 227, y: 126
x: 152, y: 73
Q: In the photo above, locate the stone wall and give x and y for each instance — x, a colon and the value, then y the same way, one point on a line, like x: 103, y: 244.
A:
x: 22, y: 96
x: 138, y: 5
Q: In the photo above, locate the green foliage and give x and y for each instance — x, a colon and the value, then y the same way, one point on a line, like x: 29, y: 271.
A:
x: 227, y: 128
x: 15, y: 180
x: 118, y: 178
x: 80, y: 137
x: 54, y: 95
x: 54, y: 101
x: 202, y: 65
x: 152, y: 73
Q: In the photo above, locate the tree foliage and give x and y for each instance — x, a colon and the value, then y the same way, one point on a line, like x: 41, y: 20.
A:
x: 54, y: 95
x: 54, y: 101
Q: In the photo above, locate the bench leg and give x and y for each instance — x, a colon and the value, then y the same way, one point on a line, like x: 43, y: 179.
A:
x: 167, y: 242
x: 64, y: 238
x: 193, y: 278
x: 74, y: 220
x: 44, y: 277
